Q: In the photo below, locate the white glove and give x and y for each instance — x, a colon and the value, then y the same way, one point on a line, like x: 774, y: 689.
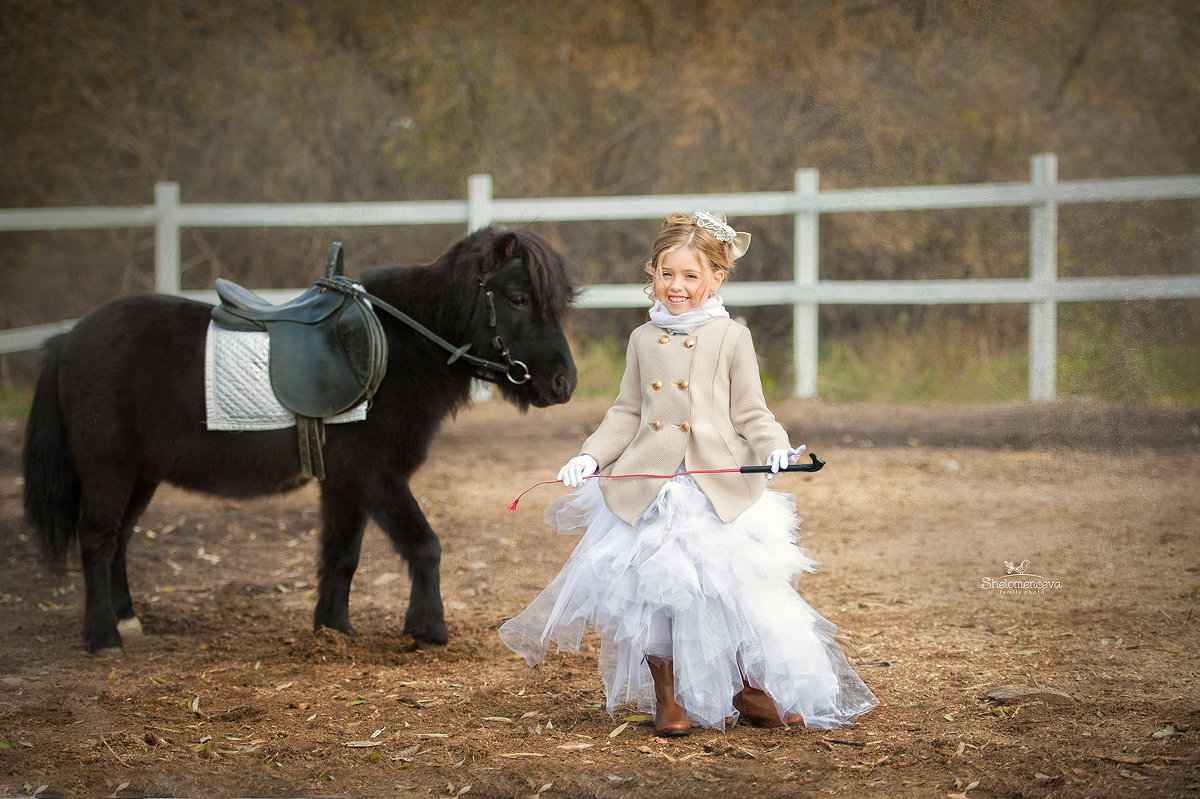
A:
x: 577, y: 469
x: 782, y: 458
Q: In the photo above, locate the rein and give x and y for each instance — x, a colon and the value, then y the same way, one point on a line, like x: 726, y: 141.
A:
x: 814, y: 465
x: 347, y: 286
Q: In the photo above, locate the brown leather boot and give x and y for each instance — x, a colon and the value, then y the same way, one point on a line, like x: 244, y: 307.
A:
x: 670, y: 719
x: 760, y: 709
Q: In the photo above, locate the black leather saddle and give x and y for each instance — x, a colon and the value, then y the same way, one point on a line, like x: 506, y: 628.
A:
x: 328, y: 351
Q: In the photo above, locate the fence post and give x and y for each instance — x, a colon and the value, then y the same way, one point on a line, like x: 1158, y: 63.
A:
x: 479, y: 214
x: 1043, y: 272
x: 479, y: 202
x: 805, y: 269
x: 167, y: 272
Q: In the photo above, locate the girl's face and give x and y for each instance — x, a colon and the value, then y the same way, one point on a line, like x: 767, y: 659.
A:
x: 684, y: 281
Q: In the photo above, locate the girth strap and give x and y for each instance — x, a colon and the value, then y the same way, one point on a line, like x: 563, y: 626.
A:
x: 312, y: 437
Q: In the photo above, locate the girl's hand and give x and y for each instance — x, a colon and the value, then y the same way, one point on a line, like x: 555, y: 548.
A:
x: 782, y: 458
x: 577, y: 470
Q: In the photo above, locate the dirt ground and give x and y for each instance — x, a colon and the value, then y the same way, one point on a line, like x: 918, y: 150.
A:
x: 231, y: 694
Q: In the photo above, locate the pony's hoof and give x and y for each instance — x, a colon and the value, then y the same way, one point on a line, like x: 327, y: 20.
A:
x: 429, y: 635
x: 130, y: 626
x: 347, y: 631
x: 430, y: 646
x: 108, y: 653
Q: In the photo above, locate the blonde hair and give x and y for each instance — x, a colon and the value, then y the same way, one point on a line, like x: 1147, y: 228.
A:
x: 679, y: 231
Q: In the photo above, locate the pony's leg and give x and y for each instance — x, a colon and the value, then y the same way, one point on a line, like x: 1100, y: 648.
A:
x: 106, y: 499
x: 416, y: 542
x: 99, y: 539
x: 341, y: 541
x: 127, y: 621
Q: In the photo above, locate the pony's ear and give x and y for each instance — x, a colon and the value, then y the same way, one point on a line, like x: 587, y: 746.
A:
x: 504, y: 248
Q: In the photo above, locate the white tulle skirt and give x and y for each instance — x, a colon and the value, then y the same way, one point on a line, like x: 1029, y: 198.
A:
x: 718, y: 599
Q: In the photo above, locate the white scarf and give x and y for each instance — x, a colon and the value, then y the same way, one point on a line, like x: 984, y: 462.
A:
x: 688, y: 321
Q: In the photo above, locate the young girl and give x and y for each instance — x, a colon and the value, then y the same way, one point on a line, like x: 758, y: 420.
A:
x: 690, y: 579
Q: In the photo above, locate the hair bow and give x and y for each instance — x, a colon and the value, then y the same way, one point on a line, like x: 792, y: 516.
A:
x: 738, y: 241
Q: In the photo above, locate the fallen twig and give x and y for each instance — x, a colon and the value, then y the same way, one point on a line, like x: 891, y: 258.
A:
x: 114, y: 754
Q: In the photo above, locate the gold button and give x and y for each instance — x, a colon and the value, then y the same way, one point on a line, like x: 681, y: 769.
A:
x: 685, y: 427
x: 691, y: 342
x: 654, y: 425
x: 656, y: 385
x: 665, y: 339
x: 682, y: 385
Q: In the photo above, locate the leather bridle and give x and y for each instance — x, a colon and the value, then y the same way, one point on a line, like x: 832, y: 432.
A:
x: 497, y: 341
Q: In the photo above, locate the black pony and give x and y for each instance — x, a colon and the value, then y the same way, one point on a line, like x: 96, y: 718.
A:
x: 120, y: 408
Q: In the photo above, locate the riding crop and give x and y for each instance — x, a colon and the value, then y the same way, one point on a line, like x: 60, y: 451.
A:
x: 814, y: 465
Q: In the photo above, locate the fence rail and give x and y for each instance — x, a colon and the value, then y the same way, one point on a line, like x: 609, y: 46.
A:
x: 1042, y: 290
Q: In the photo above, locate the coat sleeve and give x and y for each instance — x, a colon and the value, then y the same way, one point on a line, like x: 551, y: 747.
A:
x: 621, y: 422
x: 748, y: 406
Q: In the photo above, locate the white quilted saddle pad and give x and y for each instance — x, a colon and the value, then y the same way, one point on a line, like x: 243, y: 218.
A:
x: 237, y: 385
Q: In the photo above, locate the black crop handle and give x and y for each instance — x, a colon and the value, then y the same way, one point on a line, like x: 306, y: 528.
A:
x: 814, y: 466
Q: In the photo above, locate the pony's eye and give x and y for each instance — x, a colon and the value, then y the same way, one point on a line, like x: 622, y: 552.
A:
x: 518, y: 300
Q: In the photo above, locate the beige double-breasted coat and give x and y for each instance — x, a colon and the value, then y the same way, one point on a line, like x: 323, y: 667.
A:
x: 693, y: 399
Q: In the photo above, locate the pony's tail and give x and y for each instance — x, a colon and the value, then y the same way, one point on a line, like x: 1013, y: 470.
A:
x: 51, y: 484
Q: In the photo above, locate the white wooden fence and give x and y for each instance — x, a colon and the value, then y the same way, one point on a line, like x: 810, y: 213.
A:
x: 1042, y: 290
